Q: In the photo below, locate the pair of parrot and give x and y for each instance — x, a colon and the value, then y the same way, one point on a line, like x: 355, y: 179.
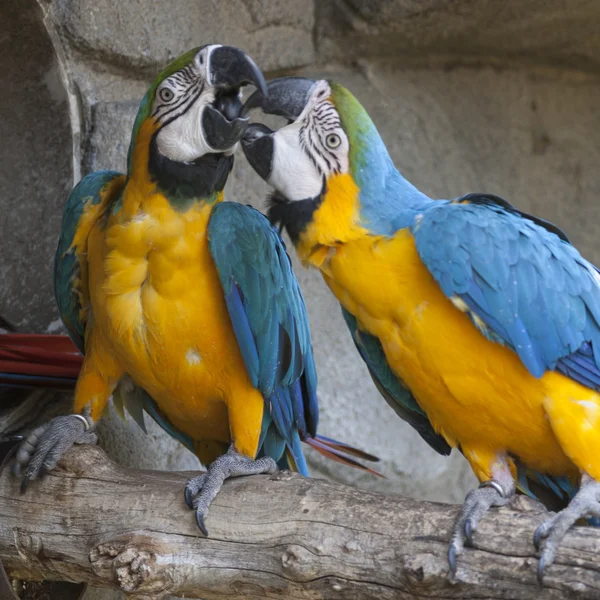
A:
x: 479, y: 324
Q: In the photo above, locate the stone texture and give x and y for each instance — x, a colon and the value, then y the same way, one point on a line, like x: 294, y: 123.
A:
x: 111, y: 126
x: 147, y: 35
x: 35, y: 164
x: 554, y: 32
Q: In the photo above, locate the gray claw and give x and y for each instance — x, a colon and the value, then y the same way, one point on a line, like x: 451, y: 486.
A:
x: 189, y: 498
x: 201, y: 525
x: 202, y: 490
x: 469, y: 532
x: 45, y: 445
x: 540, y: 570
x: 477, y: 503
x: 452, y: 551
x: 586, y: 503
x: 24, y: 484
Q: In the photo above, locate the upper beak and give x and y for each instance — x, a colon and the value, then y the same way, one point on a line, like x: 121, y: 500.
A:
x: 229, y: 69
x: 285, y: 97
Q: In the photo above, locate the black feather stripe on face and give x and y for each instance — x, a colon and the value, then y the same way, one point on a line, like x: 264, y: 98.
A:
x: 186, y: 86
x: 319, y: 123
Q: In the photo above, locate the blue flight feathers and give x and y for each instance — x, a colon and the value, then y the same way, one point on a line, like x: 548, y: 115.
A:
x: 270, y: 322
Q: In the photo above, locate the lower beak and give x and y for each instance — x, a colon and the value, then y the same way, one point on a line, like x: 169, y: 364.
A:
x: 229, y: 69
x: 258, y: 147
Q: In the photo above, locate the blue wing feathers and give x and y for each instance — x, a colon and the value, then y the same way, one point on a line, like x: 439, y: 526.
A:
x: 247, y: 344
x: 270, y: 323
x: 521, y: 277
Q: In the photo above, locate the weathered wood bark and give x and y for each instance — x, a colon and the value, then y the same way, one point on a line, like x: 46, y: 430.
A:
x: 274, y: 537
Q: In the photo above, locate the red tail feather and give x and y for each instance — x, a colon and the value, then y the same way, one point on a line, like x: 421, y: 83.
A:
x: 39, y: 355
x: 330, y: 449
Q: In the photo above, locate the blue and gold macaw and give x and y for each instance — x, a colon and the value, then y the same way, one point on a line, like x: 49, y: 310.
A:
x: 183, y: 305
x: 479, y: 324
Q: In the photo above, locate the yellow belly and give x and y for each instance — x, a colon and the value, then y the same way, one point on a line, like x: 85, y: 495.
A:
x: 475, y: 392
x: 157, y: 300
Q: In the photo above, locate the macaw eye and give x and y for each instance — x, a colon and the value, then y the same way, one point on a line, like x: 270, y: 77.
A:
x: 333, y: 140
x: 166, y: 94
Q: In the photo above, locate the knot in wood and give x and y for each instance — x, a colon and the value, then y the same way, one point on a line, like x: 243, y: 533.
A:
x: 132, y: 566
x: 299, y: 562
x: 289, y: 558
x: 424, y: 570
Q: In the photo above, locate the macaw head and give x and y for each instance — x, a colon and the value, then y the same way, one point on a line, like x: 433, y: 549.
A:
x: 316, y: 159
x: 190, y: 122
x: 332, y: 174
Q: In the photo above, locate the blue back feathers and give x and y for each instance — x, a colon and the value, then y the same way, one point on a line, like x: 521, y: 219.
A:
x: 529, y: 286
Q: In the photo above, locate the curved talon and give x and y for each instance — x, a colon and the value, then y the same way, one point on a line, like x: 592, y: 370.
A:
x: 538, y: 536
x: 452, y: 559
x: 200, y: 491
x: 45, y: 445
x: 469, y: 532
x: 200, y: 523
x: 549, y: 535
x: 189, y: 497
x: 540, y: 570
x: 24, y: 484
x: 477, y: 503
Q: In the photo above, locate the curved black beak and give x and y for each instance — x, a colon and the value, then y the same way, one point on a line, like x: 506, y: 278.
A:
x: 285, y: 97
x: 228, y: 70
x: 258, y: 146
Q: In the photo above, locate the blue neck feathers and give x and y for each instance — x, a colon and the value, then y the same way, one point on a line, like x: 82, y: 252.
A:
x: 388, y: 201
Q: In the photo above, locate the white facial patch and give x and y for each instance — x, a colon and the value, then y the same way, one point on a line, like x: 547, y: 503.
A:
x: 180, y: 102
x: 310, y: 149
x: 293, y: 173
x: 183, y: 139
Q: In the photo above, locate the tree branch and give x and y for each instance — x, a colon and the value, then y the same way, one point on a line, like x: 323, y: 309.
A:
x: 275, y: 537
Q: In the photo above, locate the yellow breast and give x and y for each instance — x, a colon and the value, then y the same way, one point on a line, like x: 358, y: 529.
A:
x: 156, y: 295
x: 475, y: 392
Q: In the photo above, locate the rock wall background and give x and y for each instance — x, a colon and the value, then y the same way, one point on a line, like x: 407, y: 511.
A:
x: 470, y: 96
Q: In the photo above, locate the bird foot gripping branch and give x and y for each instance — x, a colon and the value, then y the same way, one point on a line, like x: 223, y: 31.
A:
x: 44, y: 446
x: 202, y: 490
x: 477, y: 503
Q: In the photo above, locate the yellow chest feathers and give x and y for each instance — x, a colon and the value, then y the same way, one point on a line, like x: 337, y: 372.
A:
x: 153, y: 281
x: 157, y: 246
